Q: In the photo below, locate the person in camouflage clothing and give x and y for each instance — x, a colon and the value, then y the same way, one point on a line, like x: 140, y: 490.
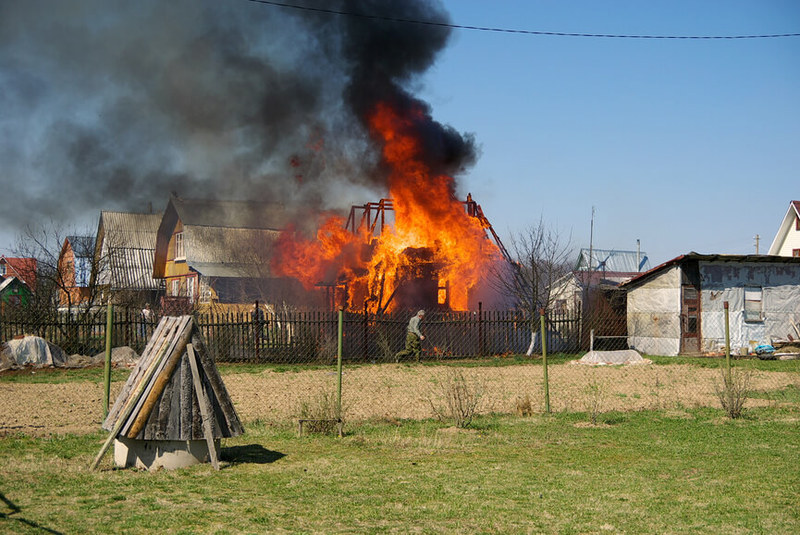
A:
x: 414, y: 338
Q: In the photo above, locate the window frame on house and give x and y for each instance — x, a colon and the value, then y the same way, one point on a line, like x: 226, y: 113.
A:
x: 190, y: 288
x: 175, y: 290
x: 753, y: 310
x: 3, y: 269
x: 180, y: 252
x: 795, y: 253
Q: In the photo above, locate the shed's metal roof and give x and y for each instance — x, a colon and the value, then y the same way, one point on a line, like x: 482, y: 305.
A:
x: 128, y: 242
x: 612, y: 260
x: 767, y: 259
x: 126, y: 229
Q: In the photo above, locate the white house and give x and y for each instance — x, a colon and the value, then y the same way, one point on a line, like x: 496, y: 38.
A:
x: 677, y: 308
x: 787, y: 240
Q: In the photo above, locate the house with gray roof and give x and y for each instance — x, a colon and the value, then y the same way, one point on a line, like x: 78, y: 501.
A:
x: 210, y: 251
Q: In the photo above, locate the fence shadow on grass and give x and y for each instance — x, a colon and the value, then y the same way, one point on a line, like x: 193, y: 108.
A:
x: 251, y: 453
x: 11, y: 516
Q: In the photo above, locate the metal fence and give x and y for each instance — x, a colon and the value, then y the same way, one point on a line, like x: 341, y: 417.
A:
x: 306, y: 336
x: 481, y: 351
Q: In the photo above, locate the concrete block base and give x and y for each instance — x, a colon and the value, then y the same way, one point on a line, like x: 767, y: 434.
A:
x: 155, y: 454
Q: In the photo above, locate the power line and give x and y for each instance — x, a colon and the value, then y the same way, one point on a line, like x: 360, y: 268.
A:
x: 514, y: 31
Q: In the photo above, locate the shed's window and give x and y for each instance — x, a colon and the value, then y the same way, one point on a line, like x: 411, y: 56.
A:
x: 753, y: 305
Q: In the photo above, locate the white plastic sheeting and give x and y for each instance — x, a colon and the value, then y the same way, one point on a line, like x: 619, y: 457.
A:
x: 611, y: 358
x: 34, y: 351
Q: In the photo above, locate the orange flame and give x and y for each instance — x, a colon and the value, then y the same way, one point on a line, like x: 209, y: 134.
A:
x: 428, y: 219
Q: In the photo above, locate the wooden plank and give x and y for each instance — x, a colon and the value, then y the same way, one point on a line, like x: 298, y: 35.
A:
x: 218, y: 388
x: 169, y: 341
x: 126, y: 412
x: 147, y: 369
x: 162, y: 377
x: 186, y: 397
x: 150, y: 353
x: 172, y: 424
x: 205, y: 407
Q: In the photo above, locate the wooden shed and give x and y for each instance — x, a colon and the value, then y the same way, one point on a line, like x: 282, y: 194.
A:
x: 174, y: 408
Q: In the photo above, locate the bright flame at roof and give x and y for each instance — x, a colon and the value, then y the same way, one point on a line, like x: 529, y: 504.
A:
x: 432, y: 236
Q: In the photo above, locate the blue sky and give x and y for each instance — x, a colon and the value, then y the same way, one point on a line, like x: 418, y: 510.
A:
x: 686, y: 145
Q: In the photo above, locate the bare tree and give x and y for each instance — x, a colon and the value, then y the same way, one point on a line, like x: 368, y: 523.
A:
x: 540, y: 258
x: 55, y: 279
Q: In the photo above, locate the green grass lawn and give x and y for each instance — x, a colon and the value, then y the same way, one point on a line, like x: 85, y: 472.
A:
x: 677, y: 471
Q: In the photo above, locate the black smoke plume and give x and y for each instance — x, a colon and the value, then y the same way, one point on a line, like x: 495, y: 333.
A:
x: 110, y: 105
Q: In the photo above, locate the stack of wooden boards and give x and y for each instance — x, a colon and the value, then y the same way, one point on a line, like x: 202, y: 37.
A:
x: 175, y: 392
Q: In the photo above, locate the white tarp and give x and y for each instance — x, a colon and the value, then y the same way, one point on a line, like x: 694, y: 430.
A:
x: 611, y: 358
x: 34, y: 351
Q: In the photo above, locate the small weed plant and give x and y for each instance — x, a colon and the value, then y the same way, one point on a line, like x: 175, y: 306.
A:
x: 524, y: 406
x: 320, y: 413
x: 593, y: 400
x: 457, y: 399
x: 733, y: 391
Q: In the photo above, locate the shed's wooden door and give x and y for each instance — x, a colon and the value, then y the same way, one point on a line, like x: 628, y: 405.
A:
x: 690, y: 319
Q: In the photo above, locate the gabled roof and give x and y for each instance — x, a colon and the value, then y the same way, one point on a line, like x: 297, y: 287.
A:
x: 792, y: 214
x: 128, y: 229
x: 7, y: 282
x: 612, y: 260
x: 222, y: 238
x: 709, y: 258
x: 230, y: 214
x: 22, y: 268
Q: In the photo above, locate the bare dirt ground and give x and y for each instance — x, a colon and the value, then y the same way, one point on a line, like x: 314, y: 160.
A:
x: 394, y: 391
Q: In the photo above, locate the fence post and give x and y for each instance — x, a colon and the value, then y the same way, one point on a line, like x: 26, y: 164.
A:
x: 480, y: 329
x: 339, y: 367
x: 544, y: 363
x: 366, y: 334
x: 727, y: 345
x: 107, y: 373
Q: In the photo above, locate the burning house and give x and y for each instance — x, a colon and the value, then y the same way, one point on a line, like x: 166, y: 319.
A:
x: 302, y: 108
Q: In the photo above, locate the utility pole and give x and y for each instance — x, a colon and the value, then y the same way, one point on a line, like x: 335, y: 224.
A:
x: 757, y: 238
x: 591, y: 238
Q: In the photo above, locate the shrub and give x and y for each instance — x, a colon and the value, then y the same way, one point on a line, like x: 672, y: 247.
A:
x: 457, y: 399
x: 320, y: 413
x: 733, y: 391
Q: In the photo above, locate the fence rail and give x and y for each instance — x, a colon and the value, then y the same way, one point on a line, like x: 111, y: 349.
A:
x: 308, y: 336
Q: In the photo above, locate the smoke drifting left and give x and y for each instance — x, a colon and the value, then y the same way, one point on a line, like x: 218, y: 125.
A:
x: 112, y: 105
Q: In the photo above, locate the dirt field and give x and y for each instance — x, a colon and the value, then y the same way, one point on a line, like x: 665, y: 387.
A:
x: 396, y: 392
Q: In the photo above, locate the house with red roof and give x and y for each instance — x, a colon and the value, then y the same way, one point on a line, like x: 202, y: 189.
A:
x: 24, y: 269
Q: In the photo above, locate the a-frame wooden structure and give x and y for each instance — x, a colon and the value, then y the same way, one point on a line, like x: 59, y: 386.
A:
x: 174, y: 393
